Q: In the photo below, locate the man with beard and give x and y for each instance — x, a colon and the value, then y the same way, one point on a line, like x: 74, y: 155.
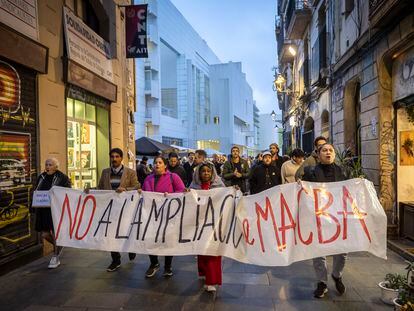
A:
x: 264, y: 175
x: 277, y: 160
x: 174, y: 166
x: 236, y: 170
x: 119, y: 178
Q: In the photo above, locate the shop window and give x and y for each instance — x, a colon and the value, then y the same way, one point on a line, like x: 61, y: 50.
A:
x: 87, y: 137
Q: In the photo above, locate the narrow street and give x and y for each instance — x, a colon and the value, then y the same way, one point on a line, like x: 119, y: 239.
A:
x: 81, y: 283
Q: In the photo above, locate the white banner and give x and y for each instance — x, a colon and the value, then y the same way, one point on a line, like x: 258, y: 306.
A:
x: 86, y: 47
x: 276, y: 227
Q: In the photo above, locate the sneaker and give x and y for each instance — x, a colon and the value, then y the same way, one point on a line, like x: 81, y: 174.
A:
x: 321, y: 290
x: 152, y: 270
x: 113, y: 266
x: 168, y: 272
x: 340, y: 287
x: 54, y: 262
x: 210, y: 288
x: 132, y: 256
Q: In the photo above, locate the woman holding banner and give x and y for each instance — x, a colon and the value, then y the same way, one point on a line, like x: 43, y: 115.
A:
x: 327, y: 171
x: 209, y: 267
x: 44, y: 223
x: 161, y: 180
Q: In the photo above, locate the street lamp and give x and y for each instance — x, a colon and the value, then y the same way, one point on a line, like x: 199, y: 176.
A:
x: 273, y: 115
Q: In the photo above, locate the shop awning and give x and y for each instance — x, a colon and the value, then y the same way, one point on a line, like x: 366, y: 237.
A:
x: 150, y: 147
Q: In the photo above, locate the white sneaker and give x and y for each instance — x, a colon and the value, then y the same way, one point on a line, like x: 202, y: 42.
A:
x: 54, y: 262
x: 210, y: 288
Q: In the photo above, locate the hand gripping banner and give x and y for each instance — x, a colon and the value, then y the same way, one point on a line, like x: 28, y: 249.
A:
x: 276, y: 227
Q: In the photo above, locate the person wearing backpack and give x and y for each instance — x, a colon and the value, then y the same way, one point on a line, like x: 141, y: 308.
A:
x: 162, y: 180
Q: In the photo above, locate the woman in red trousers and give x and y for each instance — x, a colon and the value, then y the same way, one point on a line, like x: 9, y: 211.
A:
x: 209, y: 267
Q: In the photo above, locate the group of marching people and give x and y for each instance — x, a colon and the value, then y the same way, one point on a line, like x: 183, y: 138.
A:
x: 168, y: 176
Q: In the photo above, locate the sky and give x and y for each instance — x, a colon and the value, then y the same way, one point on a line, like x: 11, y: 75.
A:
x: 239, y: 30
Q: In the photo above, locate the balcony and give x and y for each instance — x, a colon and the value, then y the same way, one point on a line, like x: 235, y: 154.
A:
x: 152, y: 34
x: 152, y: 62
x: 298, y: 16
x: 152, y: 88
x: 285, y: 55
x: 384, y: 12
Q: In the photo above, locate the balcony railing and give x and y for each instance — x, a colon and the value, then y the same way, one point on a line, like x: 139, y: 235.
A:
x: 298, y: 16
x: 383, y: 12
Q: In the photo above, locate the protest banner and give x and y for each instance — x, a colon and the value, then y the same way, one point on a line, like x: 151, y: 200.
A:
x: 276, y: 227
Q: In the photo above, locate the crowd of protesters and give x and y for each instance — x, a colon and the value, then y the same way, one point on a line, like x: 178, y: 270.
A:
x: 197, y: 171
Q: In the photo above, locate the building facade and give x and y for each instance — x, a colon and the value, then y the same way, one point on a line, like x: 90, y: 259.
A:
x: 355, y: 60
x: 176, y: 85
x: 69, y: 94
x: 270, y: 132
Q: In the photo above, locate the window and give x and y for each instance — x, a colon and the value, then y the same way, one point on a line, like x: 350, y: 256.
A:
x: 94, y: 15
x: 172, y: 141
x: 169, y: 102
x: 216, y: 120
x: 348, y: 7
x: 198, y: 96
x: 207, y: 107
x: 319, y: 50
x: 87, y: 133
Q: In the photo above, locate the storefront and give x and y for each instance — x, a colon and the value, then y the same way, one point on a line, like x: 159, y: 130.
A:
x: 403, y: 98
x: 89, y: 93
x: 19, y: 140
x: 87, y: 137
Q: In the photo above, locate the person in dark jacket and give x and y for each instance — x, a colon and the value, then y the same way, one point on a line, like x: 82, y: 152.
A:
x: 277, y: 160
x: 189, y: 168
x: 143, y: 170
x: 236, y: 170
x: 174, y: 166
x: 44, y: 223
x: 327, y: 171
x: 264, y: 175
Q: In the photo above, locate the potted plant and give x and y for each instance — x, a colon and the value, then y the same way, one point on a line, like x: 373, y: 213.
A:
x: 405, y: 299
x: 390, y: 286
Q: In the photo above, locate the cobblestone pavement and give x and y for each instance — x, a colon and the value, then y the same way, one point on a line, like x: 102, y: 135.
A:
x: 82, y: 283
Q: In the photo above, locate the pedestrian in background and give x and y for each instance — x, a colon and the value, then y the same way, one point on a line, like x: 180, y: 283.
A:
x: 264, y: 175
x: 217, y: 163
x: 236, y: 170
x: 162, y: 180
x: 189, y: 168
x: 313, y: 159
x: 290, y: 167
x: 327, y: 171
x: 143, y: 170
x: 209, y: 267
x: 277, y: 160
x: 119, y: 178
x: 44, y: 222
x: 174, y: 166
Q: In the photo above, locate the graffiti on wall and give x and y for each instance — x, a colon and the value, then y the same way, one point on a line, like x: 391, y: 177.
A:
x: 387, y: 160
x: 15, y: 159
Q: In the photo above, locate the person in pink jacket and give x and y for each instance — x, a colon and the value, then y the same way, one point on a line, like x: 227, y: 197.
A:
x: 161, y: 180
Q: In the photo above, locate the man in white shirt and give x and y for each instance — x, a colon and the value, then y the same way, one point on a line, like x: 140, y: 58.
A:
x: 290, y: 167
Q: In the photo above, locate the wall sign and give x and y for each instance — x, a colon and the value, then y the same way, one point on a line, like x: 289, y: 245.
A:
x: 86, y: 47
x: 403, y: 75
x: 21, y: 16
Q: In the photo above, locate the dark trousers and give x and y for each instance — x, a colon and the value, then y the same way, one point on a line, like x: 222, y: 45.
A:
x: 167, y: 262
x: 116, y: 257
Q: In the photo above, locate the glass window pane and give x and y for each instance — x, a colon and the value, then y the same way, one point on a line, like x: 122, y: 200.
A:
x: 79, y: 109
x: 69, y: 107
x: 90, y: 113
